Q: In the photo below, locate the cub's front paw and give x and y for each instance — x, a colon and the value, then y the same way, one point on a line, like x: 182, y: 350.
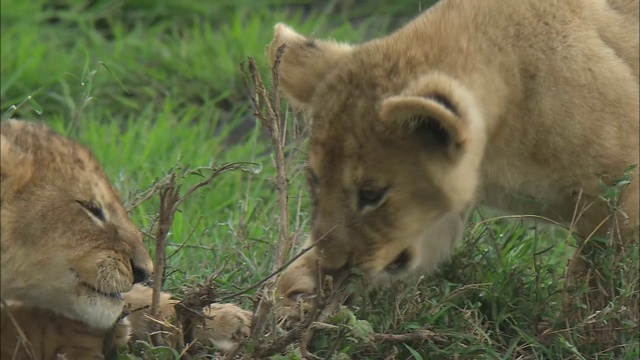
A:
x: 121, y: 332
x: 225, y: 326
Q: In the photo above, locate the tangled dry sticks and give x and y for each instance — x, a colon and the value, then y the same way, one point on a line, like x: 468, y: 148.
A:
x: 268, y: 336
x: 276, y: 326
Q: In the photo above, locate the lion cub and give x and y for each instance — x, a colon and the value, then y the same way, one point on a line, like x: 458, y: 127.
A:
x: 520, y: 105
x: 69, y: 250
x: 71, y: 257
x: 67, y: 243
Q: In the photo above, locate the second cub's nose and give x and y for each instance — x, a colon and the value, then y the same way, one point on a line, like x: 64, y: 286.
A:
x: 139, y: 274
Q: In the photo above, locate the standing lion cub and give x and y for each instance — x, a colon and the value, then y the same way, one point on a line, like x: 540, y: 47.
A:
x: 521, y: 105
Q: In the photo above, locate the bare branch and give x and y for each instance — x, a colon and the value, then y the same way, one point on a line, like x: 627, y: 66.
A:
x: 418, y: 335
x: 168, y: 200
x: 268, y: 112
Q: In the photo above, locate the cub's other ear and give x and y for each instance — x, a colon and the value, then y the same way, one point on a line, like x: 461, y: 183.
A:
x: 304, y: 63
x: 438, y: 110
x: 16, y: 167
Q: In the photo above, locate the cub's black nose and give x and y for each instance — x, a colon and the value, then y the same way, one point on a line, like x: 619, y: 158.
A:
x: 139, y: 275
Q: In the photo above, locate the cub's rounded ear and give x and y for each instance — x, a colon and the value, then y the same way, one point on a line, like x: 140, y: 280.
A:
x: 16, y: 167
x: 437, y: 125
x: 437, y: 110
x: 304, y: 62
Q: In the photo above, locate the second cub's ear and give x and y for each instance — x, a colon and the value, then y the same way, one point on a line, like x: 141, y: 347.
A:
x: 16, y: 167
x: 304, y: 63
x: 437, y: 110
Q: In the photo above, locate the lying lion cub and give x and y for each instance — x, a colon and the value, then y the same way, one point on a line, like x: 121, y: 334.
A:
x: 68, y: 248
x: 67, y: 243
x: 521, y: 105
x: 70, y: 255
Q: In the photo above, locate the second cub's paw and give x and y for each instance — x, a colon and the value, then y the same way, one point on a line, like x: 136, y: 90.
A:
x: 121, y: 332
x: 225, y: 326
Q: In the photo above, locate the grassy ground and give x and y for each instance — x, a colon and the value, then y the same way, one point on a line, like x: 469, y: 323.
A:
x: 152, y: 86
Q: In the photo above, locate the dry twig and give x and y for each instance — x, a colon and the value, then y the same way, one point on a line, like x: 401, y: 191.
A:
x: 418, y: 335
x: 168, y: 201
x: 267, y: 111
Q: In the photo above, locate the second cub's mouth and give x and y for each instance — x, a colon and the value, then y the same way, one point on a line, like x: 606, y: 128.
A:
x: 115, y: 295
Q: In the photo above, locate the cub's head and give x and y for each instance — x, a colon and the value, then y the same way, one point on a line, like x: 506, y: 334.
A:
x: 394, y: 152
x: 67, y: 242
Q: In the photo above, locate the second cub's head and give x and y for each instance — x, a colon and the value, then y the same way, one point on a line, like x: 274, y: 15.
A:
x: 394, y: 151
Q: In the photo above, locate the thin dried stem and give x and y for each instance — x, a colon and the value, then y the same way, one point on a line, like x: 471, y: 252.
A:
x: 418, y: 335
x: 168, y: 201
x: 267, y: 111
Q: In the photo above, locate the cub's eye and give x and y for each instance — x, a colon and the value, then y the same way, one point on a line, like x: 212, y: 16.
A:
x: 93, y: 208
x: 370, y: 197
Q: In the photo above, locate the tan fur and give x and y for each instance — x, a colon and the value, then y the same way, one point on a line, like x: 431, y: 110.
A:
x: 138, y: 304
x: 59, y: 252
x: 67, y: 243
x: 521, y: 105
x: 224, y: 327
x: 51, y: 334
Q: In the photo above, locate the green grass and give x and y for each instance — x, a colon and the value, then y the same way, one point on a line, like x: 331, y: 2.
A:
x: 151, y: 85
